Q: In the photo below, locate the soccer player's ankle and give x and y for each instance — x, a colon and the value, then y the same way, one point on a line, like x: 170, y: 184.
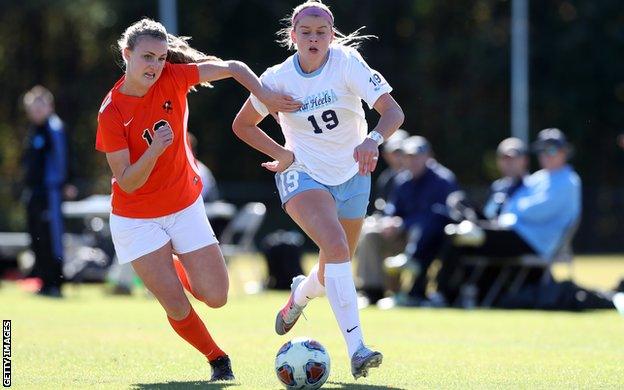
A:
x: 215, y: 354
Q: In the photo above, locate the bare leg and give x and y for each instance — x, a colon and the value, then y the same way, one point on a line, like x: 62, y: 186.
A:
x: 315, y: 212
x: 207, y: 274
x: 157, y: 273
x: 159, y: 276
x: 352, y: 229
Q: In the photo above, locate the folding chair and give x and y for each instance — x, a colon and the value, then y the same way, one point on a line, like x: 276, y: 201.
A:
x: 563, y: 254
x: 239, y: 234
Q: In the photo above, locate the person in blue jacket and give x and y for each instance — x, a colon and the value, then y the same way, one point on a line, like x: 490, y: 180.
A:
x: 413, y: 224
x: 534, y: 220
x: 46, y: 170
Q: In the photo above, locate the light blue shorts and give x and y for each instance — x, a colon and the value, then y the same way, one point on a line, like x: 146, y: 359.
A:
x: 351, y: 196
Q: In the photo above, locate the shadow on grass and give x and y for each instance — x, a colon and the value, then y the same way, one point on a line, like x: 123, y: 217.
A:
x: 183, y: 385
x: 356, y: 386
x: 210, y: 385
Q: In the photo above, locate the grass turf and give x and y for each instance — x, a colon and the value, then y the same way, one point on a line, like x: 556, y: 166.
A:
x: 92, y: 340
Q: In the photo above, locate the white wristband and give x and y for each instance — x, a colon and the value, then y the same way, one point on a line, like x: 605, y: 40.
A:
x: 376, y: 136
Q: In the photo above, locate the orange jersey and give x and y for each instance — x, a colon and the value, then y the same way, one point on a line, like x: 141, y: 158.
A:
x: 128, y: 122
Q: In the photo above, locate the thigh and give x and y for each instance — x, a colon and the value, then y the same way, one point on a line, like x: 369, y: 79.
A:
x: 136, y: 237
x: 206, y: 271
x: 315, y: 212
x: 158, y: 275
x: 190, y: 230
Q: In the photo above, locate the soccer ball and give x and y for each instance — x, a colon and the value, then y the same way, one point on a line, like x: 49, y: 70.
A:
x: 302, y: 363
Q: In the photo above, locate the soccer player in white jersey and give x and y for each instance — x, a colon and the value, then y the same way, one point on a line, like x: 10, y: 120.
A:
x: 323, y: 170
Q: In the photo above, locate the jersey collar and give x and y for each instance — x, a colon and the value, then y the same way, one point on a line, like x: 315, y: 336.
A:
x: 316, y: 72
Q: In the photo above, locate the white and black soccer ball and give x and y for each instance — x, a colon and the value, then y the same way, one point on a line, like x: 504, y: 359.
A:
x: 302, y: 363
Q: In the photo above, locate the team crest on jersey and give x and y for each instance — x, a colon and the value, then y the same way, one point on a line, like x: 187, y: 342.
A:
x: 167, y: 106
x: 318, y: 100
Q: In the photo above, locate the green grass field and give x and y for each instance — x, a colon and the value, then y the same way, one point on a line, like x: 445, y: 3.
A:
x: 90, y: 340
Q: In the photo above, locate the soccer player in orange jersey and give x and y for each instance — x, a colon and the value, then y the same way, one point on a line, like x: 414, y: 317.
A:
x: 157, y: 209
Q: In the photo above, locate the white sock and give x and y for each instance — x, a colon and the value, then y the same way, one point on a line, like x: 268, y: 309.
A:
x: 343, y: 300
x: 310, y: 288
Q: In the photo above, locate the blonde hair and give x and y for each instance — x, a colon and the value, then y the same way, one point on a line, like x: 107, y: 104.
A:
x: 178, y: 51
x: 353, y: 40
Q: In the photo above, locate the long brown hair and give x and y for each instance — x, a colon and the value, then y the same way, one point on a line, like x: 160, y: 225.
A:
x: 178, y: 51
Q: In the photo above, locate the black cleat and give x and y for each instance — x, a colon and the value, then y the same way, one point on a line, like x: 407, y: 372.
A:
x: 50, y: 292
x: 221, y: 369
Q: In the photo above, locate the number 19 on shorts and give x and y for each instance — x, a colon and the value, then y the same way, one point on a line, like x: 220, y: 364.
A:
x: 289, y: 181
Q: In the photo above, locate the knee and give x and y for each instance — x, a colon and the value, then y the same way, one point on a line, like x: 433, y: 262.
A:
x: 217, y: 301
x: 337, y: 248
x: 214, y: 299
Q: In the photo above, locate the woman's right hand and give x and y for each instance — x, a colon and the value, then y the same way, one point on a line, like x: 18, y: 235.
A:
x: 278, y: 102
x: 282, y: 163
x: 163, y: 138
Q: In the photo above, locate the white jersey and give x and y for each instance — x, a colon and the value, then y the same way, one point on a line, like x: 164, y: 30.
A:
x: 325, y: 131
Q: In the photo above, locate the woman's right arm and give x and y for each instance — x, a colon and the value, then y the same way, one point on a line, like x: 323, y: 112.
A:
x: 131, y: 177
x: 218, y: 70
x: 245, y: 126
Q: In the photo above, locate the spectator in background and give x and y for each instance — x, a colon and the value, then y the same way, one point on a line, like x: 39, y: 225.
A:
x: 414, y: 223
x: 534, y: 220
x: 210, y: 191
x: 387, y: 180
x: 45, y: 160
x: 513, y: 163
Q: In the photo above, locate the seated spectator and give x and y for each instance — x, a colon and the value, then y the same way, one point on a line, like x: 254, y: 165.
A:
x: 513, y: 163
x: 534, y: 220
x: 413, y: 224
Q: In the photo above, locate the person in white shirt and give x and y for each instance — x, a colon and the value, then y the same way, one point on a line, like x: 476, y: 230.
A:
x: 323, y: 170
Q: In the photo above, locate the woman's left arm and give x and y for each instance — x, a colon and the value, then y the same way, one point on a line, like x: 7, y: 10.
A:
x: 239, y: 71
x: 391, y: 117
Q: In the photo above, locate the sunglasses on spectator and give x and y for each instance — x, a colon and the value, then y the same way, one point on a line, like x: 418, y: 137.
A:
x: 549, y: 151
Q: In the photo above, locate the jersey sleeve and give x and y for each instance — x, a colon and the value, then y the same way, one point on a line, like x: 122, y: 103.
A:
x: 260, y: 107
x: 110, y: 136
x: 184, y: 75
x: 363, y: 81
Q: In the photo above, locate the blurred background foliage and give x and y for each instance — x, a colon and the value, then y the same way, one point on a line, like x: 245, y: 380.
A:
x: 448, y: 62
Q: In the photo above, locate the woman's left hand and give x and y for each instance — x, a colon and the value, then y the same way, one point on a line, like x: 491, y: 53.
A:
x: 278, y: 102
x: 367, y: 155
x: 281, y: 163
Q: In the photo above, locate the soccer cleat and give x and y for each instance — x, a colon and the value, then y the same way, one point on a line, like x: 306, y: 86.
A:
x: 221, y: 369
x: 289, y: 314
x: 50, y: 292
x: 363, y: 359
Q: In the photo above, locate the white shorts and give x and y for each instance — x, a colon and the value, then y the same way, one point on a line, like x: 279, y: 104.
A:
x: 187, y: 229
